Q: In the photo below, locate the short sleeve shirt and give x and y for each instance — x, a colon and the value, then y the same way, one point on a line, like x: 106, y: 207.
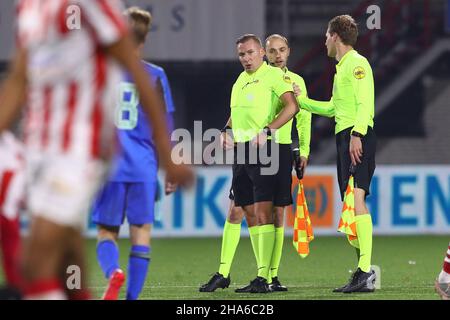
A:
x: 254, y: 100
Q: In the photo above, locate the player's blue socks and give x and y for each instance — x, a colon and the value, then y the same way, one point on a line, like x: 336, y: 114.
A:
x: 108, y: 256
x: 137, y: 270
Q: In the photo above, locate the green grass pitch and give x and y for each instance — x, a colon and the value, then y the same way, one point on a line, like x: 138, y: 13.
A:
x: 409, y: 265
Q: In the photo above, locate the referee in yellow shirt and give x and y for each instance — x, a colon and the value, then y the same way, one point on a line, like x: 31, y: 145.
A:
x: 277, y: 52
x: 255, y: 98
x: 352, y: 106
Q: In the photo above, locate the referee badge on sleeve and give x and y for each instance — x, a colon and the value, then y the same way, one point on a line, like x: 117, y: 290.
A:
x: 359, y: 73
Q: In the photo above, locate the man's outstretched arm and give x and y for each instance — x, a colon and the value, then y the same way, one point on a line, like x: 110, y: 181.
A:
x: 321, y: 108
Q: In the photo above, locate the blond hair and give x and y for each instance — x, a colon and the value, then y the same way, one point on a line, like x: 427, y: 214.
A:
x: 140, y: 23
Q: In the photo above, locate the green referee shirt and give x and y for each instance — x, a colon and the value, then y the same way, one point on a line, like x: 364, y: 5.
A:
x: 353, y: 100
x: 254, y: 100
x: 283, y: 135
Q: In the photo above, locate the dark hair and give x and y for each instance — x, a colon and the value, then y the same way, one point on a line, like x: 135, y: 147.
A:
x: 249, y: 36
x: 277, y: 36
x: 345, y: 27
x: 140, y: 23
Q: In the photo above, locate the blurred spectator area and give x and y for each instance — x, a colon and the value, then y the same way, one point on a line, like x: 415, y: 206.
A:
x: 410, y: 56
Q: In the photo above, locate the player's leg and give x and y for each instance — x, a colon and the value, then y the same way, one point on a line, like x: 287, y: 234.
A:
x: 282, y: 199
x: 108, y: 259
x: 264, y: 214
x: 263, y: 186
x: 10, y: 245
x: 76, y: 288
x: 139, y: 259
x: 253, y: 229
x: 364, y: 278
x: 343, y: 165
x: 277, y: 250
x: 140, y: 211
x: 108, y: 215
x: 230, y: 240
x: 107, y: 249
x: 59, y: 194
x: 264, y: 195
x: 266, y: 239
x: 10, y: 227
x: 43, y: 253
x: 364, y: 230
x: 243, y: 188
x: 442, y: 283
x: 12, y: 186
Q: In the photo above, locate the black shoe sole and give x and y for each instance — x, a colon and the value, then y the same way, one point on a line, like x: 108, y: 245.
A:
x: 278, y: 289
x: 251, y: 291
x: 212, y: 290
x: 220, y: 287
x: 340, y: 289
x: 361, y: 289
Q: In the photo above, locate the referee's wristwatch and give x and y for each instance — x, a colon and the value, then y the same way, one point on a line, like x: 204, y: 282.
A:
x: 357, y: 134
x: 267, y: 131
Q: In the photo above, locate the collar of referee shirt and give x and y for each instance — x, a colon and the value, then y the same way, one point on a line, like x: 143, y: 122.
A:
x: 345, y: 56
x: 258, y: 71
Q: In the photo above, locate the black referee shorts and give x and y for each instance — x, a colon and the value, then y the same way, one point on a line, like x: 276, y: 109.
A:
x: 283, y: 181
x: 364, y: 170
x: 250, y: 186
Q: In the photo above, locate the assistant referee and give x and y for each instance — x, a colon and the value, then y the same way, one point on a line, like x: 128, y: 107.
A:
x: 352, y: 106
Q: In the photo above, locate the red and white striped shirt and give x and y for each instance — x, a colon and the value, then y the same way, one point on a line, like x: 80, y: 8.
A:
x: 11, y: 175
x: 72, y: 82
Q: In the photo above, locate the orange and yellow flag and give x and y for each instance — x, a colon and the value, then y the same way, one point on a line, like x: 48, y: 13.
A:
x: 303, y: 231
x: 347, y: 223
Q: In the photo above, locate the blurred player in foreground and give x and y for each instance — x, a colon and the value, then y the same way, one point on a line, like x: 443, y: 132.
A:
x: 69, y: 77
x: 12, y: 182
x: 132, y: 189
x: 277, y: 52
x: 442, y: 283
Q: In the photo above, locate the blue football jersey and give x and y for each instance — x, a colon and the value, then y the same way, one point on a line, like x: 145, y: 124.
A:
x: 136, y: 159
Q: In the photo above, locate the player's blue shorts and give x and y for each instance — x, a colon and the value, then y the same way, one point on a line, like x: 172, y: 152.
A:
x: 135, y: 200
